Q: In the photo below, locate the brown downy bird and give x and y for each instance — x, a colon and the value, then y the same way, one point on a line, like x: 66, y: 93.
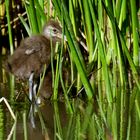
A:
x: 34, y: 52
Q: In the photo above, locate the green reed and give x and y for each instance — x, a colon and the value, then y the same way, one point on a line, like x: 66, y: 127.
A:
x: 25, y: 125
x: 74, y: 48
x: 111, y: 38
x: 11, y: 81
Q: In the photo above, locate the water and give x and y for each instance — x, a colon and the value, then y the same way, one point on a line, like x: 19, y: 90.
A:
x: 52, y: 120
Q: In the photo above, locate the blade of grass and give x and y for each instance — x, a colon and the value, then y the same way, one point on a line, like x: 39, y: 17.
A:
x: 102, y: 54
x: 12, y: 79
x: 25, y: 25
x: 57, y: 75
x: 40, y: 13
x: 32, y: 17
x: 135, y: 29
x: 7, y: 3
x: 88, y: 29
x: 25, y: 125
x: 74, y: 48
x: 124, y: 48
x: 57, y: 121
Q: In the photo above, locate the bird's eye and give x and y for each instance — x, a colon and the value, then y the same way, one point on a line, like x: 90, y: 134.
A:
x: 54, y: 30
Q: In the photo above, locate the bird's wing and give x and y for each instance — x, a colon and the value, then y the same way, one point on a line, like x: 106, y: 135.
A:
x: 33, y: 49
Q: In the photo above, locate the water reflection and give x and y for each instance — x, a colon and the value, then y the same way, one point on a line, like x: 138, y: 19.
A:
x: 39, y: 124
x: 51, y: 120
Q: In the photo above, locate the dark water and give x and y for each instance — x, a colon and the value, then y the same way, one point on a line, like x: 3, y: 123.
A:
x: 39, y: 123
x: 47, y: 121
x: 52, y: 120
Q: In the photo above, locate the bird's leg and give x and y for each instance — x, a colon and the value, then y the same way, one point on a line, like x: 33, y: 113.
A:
x: 33, y: 90
x: 37, y: 99
x: 33, y: 107
x: 31, y: 116
x: 32, y: 97
x: 31, y: 84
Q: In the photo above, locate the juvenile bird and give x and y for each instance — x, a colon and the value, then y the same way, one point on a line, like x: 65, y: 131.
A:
x: 35, y: 51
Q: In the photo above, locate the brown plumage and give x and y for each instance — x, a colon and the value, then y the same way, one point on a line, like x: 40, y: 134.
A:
x: 34, y: 52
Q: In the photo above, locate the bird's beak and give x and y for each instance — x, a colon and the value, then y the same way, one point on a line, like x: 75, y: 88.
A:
x: 61, y: 36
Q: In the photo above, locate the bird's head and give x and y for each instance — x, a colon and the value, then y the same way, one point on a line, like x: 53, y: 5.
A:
x: 52, y: 30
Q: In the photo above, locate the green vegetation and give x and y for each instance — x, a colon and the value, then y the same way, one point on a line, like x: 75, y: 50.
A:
x: 103, y: 58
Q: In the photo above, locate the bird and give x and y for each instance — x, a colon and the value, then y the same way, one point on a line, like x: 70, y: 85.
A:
x: 34, y: 52
x: 28, y: 60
